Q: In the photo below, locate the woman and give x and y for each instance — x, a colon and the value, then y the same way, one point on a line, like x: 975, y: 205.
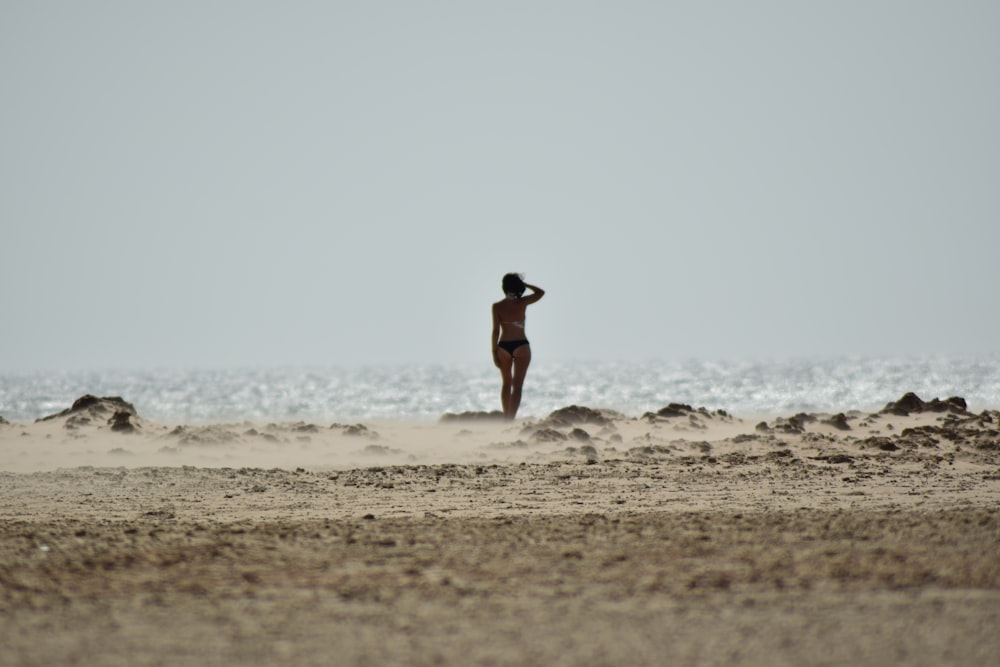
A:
x: 511, y: 352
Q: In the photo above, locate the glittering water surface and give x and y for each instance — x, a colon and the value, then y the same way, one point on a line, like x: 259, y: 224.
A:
x: 426, y: 392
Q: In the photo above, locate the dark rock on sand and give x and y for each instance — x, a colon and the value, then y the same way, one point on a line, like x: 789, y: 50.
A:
x: 93, y: 406
x: 120, y: 422
x: 951, y: 404
x: 879, y: 442
x: 203, y: 435
x: 926, y: 436
x: 576, y: 414
x: 790, y: 425
x: 734, y: 458
x: 674, y: 410
x: 359, y: 430
x: 579, y: 434
x: 548, y: 435
x: 834, y: 458
x: 838, y: 421
x: 959, y: 430
x: 911, y: 403
x: 649, y: 451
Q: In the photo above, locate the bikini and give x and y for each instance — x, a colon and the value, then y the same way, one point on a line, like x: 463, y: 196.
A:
x: 511, y: 345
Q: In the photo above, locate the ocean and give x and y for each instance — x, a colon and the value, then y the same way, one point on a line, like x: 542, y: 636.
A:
x: 425, y: 392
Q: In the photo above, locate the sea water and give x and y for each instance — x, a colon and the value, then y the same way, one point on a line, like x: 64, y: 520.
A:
x: 416, y: 392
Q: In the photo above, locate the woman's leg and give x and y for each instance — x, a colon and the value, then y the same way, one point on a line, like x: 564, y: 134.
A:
x: 522, y: 358
x: 506, y: 374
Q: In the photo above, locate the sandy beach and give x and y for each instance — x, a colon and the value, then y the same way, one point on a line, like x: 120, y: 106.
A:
x: 683, y: 536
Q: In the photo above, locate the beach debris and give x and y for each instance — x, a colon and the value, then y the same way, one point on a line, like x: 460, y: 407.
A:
x: 834, y: 458
x: 780, y: 456
x: 736, y: 458
x: 495, y: 415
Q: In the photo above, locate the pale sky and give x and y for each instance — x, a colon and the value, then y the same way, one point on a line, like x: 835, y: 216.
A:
x: 215, y: 184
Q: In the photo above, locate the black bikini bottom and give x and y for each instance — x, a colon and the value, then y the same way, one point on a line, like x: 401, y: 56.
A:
x: 511, y: 345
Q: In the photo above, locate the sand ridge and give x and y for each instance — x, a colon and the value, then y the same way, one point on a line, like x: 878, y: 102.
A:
x: 907, y: 430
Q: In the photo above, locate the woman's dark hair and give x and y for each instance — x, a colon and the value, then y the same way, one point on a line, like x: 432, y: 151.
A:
x: 513, y: 284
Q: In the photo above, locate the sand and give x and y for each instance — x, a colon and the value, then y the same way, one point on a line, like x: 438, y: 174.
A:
x: 687, y: 537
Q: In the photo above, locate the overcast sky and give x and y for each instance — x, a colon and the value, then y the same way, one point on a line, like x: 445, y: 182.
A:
x: 214, y: 184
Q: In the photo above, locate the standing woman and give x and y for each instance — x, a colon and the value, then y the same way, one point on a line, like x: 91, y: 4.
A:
x: 511, y: 352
